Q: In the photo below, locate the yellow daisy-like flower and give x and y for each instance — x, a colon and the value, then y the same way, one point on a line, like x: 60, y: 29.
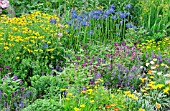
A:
x: 158, y: 105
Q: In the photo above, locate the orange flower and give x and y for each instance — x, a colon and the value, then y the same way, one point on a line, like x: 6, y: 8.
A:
x: 108, y: 106
x: 150, y: 71
x: 116, y: 109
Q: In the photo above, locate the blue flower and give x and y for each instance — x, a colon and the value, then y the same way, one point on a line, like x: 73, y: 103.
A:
x: 97, y: 17
x: 74, y: 15
x: 98, y: 26
x: 129, y: 25
x: 112, y: 6
x: 122, y: 15
x: 91, y: 32
x: 114, y: 17
x: 15, y: 104
x: 108, y: 12
x: 104, y: 16
x: 129, y: 6
x: 83, y: 23
x: 45, y: 45
x: 53, y: 21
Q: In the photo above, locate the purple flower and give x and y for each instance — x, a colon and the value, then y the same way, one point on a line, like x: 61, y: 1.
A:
x: 91, y: 81
x: 21, y: 105
x: 98, y: 76
x: 15, y: 104
x: 15, y: 78
x: 1, y: 69
x: 7, y: 67
x: 84, y: 88
x: 22, y: 89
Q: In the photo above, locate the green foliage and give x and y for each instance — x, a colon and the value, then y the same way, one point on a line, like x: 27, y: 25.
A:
x: 154, y: 15
x: 47, y: 85
x: 44, y: 105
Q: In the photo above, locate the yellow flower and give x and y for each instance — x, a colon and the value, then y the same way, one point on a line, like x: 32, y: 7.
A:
x: 155, y: 59
x: 142, y: 79
x: 160, y: 85
x: 162, y: 64
x: 82, y: 105
x: 50, y: 50
x: 91, y: 101
x: 69, y: 94
x: 113, y: 96
x: 127, y: 92
x: 67, y: 99
x: 158, y: 105
x: 17, y: 58
x: 6, y: 48
x: 76, y: 109
x: 140, y: 109
x: 112, y: 105
x: 166, y: 90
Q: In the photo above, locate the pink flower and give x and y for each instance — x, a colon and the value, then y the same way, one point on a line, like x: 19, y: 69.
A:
x: 4, y: 4
x: 60, y: 34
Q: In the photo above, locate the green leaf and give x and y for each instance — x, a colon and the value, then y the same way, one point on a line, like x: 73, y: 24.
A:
x: 55, y: 1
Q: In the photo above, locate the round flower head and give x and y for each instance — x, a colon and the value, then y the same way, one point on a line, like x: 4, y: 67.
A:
x: 4, y: 4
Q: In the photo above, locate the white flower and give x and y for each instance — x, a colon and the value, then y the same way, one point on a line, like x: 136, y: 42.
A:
x: 152, y: 62
x: 167, y: 82
x: 159, y: 73
x: 167, y: 75
x: 141, y: 67
x: 153, y: 67
x: 147, y: 64
x: 154, y: 71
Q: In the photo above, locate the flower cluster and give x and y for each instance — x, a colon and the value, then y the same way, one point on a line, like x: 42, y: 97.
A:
x: 3, y: 4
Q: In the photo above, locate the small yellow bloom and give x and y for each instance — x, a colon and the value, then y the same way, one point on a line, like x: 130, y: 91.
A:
x: 69, y: 94
x: 112, y: 105
x: 141, y: 109
x: 82, y: 105
x: 155, y: 59
x: 17, y: 58
x: 162, y: 64
x: 76, y: 109
x: 67, y: 99
x: 166, y: 90
x: 158, y: 105
x: 127, y: 92
x: 91, y: 101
